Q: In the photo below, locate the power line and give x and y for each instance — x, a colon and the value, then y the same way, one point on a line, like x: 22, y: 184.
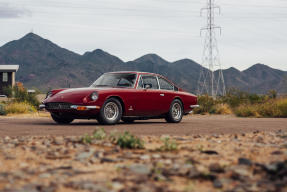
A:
x: 210, y: 82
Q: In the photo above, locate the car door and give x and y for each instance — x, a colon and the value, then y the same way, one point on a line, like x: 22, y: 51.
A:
x: 147, y: 98
x: 167, y: 94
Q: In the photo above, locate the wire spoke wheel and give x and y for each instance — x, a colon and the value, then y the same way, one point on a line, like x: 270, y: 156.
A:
x: 111, y: 111
x: 176, y: 111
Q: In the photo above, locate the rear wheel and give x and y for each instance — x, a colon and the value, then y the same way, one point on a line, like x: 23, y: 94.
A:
x: 111, y: 112
x: 175, y: 113
x: 60, y: 119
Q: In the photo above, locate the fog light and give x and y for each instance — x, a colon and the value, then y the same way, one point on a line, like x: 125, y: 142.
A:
x: 81, y: 108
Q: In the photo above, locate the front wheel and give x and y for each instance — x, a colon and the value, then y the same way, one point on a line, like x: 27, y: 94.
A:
x: 175, y: 113
x: 61, y: 120
x: 111, y: 112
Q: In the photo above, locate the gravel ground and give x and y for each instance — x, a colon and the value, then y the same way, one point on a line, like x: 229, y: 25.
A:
x: 253, y: 161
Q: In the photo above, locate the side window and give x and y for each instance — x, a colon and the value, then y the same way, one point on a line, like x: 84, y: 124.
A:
x: 164, y: 84
x: 151, y: 81
x: 5, y: 77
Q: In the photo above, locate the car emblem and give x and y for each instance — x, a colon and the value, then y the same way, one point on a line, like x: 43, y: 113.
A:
x: 131, y: 108
x: 62, y: 97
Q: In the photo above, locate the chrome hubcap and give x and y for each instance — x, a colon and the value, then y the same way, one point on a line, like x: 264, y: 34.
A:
x: 111, y: 111
x: 176, y: 111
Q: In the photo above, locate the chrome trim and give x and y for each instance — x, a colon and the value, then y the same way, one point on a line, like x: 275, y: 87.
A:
x: 88, y: 107
x: 42, y: 106
x: 158, y: 83
x: 194, y: 106
x: 140, y: 79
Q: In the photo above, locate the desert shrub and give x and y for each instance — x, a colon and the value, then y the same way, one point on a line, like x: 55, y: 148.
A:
x: 20, y: 94
x: 268, y: 109
x: 282, y: 106
x: 246, y: 111
x: 272, y: 94
x: 222, y: 109
x: 87, y: 139
x: 2, y: 109
x: 168, y: 145
x: 98, y: 134
x: 235, y: 97
x: 271, y: 108
x: 18, y: 108
x: 129, y: 141
x: 206, y: 104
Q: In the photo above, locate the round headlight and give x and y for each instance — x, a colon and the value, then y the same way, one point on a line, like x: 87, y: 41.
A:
x: 94, y: 96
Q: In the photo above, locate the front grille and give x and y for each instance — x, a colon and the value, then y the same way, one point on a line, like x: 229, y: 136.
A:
x: 53, y: 106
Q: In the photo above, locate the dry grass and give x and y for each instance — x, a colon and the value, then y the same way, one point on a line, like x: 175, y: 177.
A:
x: 222, y: 109
x: 272, y: 108
x: 19, y: 108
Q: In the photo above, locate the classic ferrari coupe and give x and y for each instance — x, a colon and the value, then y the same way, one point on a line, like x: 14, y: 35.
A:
x: 126, y: 96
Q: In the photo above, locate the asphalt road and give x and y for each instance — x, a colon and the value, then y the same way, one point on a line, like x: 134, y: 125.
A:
x: 191, y: 125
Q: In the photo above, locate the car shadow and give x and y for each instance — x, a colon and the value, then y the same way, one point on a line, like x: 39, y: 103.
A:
x: 95, y: 123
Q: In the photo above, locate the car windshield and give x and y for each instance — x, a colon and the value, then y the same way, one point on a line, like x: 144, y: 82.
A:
x: 115, y: 80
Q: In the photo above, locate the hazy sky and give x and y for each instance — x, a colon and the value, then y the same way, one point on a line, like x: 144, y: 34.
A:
x: 254, y: 31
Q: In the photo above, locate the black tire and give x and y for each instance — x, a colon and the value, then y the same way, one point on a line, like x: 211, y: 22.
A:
x: 175, y: 113
x: 128, y: 120
x: 114, y: 115
x: 61, y: 120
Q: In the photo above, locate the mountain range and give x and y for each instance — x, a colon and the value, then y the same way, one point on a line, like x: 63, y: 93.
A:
x: 44, y: 65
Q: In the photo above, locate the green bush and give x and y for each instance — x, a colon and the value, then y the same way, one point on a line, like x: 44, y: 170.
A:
x: 20, y: 94
x: 282, y: 106
x: 168, y: 145
x: 98, y: 134
x: 271, y: 108
x: 206, y: 105
x: 129, y: 141
x: 246, y: 111
x: 2, y: 110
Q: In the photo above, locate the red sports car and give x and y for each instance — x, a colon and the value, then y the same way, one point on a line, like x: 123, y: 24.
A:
x: 125, y: 96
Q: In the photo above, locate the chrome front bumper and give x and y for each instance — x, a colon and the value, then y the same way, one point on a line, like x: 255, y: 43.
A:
x: 76, y: 107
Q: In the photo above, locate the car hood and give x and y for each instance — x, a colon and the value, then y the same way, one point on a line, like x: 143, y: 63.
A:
x: 75, y: 96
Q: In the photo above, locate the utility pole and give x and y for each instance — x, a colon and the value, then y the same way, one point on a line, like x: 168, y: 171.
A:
x: 211, y: 80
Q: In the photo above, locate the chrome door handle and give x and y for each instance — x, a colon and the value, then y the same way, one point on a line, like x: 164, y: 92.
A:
x: 162, y: 95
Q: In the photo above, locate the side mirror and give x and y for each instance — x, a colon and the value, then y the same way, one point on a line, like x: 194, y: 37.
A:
x: 147, y: 86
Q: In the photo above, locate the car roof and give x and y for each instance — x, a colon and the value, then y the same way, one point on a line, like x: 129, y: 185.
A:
x: 135, y: 72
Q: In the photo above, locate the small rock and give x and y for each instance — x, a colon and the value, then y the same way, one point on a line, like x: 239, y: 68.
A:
x: 45, y: 175
x: 277, y: 153
x: 145, y: 157
x: 244, y: 161
x: 59, y: 141
x: 84, y: 155
x: 217, y: 184
x: 140, y: 169
x: 210, y: 152
x: 156, y: 156
x: 215, y: 167
x: 108, y: 160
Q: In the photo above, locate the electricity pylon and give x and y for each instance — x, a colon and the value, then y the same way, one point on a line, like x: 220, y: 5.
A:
x: 211, y: 80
